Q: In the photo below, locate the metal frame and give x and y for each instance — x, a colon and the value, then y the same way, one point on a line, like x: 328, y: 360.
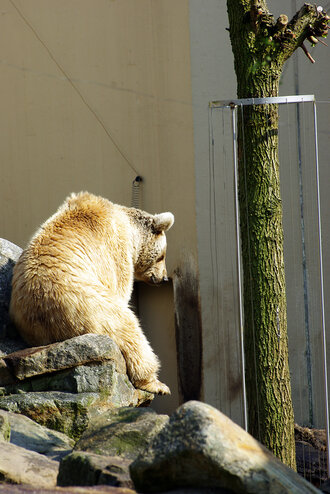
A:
x: 233, y: 105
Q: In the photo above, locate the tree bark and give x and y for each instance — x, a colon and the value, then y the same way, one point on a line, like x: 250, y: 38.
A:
x: 261, y: 46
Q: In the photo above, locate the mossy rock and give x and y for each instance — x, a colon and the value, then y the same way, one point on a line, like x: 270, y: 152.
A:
x: 123, y: 432
x: 64, y: 412
x: 83, y: 469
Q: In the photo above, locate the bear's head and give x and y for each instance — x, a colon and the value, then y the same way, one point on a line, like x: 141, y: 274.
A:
x: 150, y: 265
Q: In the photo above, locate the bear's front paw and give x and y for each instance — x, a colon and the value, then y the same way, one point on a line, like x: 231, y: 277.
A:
x: 155, y: 387
x: 161, y: 388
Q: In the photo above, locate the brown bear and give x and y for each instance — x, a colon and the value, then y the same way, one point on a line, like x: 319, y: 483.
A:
x: 76, y: 276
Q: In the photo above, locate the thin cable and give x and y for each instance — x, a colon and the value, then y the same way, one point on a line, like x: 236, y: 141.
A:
x: 295, y: 262
x: 222, y: 301
x: 216, y: 280
x: 239, y: 268
x: 302, y: 375
x: 74, y: 87
x: 211, y: 180
x: 213, y: 242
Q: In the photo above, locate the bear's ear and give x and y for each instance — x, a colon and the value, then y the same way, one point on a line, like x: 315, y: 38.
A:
x: 163, y: 222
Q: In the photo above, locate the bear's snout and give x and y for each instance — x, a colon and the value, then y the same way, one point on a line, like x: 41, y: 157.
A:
x: 156, y: 281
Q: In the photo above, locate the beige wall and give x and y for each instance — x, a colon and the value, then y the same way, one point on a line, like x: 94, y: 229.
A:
x: 93, y: 94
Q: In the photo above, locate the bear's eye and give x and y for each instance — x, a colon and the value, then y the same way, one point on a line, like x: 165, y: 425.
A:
x: 161, y: 258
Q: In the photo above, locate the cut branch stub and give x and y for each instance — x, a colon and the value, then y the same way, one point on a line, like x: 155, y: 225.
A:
x: 281, y: 22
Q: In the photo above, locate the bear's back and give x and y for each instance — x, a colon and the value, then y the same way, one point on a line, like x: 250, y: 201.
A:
x: 88, y: 238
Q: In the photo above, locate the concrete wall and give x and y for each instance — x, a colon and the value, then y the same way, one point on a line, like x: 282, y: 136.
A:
x: 92, y: 95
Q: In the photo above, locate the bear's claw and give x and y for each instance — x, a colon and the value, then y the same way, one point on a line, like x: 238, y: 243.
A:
x: 163, y: 389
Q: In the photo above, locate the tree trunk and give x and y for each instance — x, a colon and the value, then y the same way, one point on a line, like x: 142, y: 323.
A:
x: 260, y: 47
x: 270, y: 411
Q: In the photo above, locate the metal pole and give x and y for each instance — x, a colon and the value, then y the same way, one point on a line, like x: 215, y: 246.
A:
x: 239, y: 266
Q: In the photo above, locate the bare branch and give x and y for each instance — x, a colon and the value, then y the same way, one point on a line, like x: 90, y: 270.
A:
x: 313, y: 40
x: 308, y: 55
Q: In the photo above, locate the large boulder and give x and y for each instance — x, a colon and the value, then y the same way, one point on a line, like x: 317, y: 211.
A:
x: 105, y: 450
x: 64, y: 384
x: 9, y: 254
x: 202, y: 448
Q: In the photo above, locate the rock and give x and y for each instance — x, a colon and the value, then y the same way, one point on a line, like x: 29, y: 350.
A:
x: 82, y: 379
x: 64, y: 412
x: 105, y: 450
x: 20, y: 466
x: 64, y: 355
x: 63, y: 384
x: 200, y: 447
x: 4, y: 428
x: 9, y: 254
x: 29, y: 435
x: 101, y: 377
x: 83, y: 469
x: 123, y: 432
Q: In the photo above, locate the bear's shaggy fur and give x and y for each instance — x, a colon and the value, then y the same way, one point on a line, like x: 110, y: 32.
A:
x: 76, y: 276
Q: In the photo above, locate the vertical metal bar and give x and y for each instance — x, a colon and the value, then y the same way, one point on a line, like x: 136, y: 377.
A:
x: 239, y: 266
x: 322, y: 291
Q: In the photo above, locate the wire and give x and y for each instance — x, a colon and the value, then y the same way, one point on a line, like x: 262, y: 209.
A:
x: 75, y: 88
